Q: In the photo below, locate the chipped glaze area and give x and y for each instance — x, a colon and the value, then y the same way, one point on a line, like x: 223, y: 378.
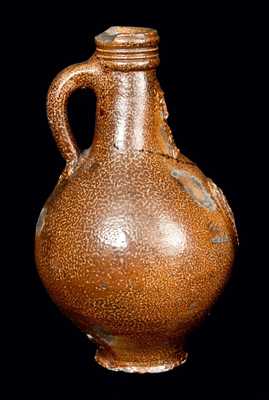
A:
x: 136, y: 243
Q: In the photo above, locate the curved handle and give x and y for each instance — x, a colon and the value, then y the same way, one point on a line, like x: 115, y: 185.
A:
x: 83, y: 75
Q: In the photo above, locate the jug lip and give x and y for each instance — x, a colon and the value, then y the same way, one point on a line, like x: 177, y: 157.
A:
x: 127, y: 37
x: 129, y: 48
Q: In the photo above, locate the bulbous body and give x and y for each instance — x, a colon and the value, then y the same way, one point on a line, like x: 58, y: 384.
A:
x: 135, y: 243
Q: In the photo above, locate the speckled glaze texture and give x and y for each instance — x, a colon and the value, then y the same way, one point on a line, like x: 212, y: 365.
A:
x: 135, y: 243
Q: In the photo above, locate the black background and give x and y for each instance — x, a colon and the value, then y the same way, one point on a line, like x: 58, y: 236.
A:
x: 211, y: 71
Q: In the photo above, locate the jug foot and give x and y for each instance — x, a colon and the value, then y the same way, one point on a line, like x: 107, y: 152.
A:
x: 139, y: 363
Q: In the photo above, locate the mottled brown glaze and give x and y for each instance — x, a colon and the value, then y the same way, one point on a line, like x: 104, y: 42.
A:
x: 135, y: 243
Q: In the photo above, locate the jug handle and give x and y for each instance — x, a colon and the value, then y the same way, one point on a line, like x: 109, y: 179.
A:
x: 77, y: 76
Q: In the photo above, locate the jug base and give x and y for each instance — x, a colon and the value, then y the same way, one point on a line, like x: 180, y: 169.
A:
x: 107, y: 361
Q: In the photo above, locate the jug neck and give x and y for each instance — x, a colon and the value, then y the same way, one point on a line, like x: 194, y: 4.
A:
x: 131, y: 112
x: 127, y: 116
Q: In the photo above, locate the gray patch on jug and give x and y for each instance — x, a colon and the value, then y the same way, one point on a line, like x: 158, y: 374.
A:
x: 103, y: 285
x: 90, y: 337
x: 41, y: 220
x: 220, y: 239
x: 192, y: 306
x: 102, y: 334
x: 206, y: 201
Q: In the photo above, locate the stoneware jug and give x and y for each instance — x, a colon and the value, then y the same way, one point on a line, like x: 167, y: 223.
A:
x: 135, y: 243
